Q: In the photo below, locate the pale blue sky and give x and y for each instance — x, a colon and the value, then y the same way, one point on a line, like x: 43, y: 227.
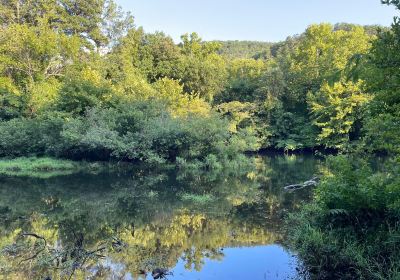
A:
x: 262, y: 20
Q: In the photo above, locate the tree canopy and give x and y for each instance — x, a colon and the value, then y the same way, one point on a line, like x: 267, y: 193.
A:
x: 324, y: 88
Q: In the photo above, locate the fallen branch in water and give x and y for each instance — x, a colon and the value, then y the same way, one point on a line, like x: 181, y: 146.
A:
x: 310, y: 183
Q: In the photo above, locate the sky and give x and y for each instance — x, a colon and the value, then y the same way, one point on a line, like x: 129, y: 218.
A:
x: 259, y: 20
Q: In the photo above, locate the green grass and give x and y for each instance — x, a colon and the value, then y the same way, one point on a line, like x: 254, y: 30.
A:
x: 38, y: 167
x: 345, y: 252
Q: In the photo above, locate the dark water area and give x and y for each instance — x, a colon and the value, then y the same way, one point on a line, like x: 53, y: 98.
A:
x: 180, y: 225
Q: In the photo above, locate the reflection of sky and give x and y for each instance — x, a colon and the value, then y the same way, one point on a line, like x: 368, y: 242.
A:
x: 271, y: 262
x: 262, y: 262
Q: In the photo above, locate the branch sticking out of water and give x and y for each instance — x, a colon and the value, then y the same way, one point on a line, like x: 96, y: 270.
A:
x: 310, y: 183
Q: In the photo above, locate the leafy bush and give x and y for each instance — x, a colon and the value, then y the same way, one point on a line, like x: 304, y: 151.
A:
x: 76, y: 96
x: 37, y: 137
x: 20, y: 137
x: 382, y: 133
x: 355, y: 187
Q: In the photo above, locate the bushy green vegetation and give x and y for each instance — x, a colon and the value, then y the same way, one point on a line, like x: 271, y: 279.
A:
x: 135, y: 132
x: 351, y: 229
x: 301, y: 97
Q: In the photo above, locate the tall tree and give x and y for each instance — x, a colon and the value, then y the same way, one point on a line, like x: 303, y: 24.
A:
x: 99, y: 22
x: 322, y: 54
x: 203, y: 71
x: 336, y: 109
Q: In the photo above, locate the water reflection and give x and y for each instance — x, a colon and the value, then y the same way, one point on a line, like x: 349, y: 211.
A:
x: 260, y: 262
x: 125, y: 225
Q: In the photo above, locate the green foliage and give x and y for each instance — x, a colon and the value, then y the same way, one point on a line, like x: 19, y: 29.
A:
x: 383, y: 80
x: 291, y: 131
x: 351, y: 229
x: 11, y: 100
x: 140, y: 131
x: 32, y: 58
x: 357, y: 189
x: 382, y: 133
x: 348, y: 232
x: 336, y: 110
x: 243, y: 81
x: 313, y: 64
x: 322, y: 53
x: 52, y: 61
x: 98, y: 22
x: 171, y: 93
x: 76, y: 96
x: 371, y: 30
x: 203, y: 72
x: 19, y: 137
x: 62, y: 63
x: 239, y: 114
x: 192, y: 45
x: 159, y: 57
x: 26, y: 137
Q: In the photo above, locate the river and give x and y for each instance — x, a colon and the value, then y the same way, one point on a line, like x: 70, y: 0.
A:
x: 127, y: 224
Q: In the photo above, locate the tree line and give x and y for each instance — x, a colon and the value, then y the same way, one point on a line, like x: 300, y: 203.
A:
x: 80, y: 80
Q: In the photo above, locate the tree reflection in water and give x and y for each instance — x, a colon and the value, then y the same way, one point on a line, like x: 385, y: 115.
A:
x: 133, y: 222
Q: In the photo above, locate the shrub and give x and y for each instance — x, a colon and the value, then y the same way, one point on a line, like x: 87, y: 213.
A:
x: 27, y: 137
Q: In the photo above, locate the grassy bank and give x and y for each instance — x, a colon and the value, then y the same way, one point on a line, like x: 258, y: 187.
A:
x: 43, y: 167
x: 352, y: 228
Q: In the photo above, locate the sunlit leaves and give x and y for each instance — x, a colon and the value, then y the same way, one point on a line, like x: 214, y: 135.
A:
x: 335, y: 109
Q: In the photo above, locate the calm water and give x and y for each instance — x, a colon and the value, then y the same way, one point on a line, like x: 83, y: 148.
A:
x: 125, y: 225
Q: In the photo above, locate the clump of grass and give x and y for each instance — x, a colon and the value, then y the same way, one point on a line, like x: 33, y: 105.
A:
x: 38, y: 167
x: 197, y: 198
x: 345, y: 252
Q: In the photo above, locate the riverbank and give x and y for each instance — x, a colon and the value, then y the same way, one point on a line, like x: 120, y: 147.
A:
x: 44, y: 167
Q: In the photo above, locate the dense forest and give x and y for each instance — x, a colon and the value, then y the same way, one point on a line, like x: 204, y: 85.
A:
x: 80, y: 81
